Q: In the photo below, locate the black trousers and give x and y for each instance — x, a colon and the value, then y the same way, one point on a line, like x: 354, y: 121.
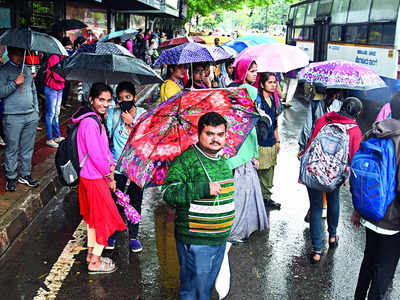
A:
x: 136, y: 196
x: 381, y: 256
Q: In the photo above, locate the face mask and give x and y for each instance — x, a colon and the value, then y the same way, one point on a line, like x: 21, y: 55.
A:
x: 126, y: 105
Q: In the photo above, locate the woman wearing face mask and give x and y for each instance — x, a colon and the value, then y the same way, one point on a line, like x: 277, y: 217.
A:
x: 250, y: 214
x: 120, y: 120
x: 97, y: 178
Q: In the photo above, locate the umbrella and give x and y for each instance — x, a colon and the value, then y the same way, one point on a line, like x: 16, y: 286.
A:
x: 192, y: 53
x: 275, y: 57
x: 239, y: 46
x: 169, y: 129
x: 258, y: 39
x: 26, y: 38
x: 103, y: 48
x: 108, y: 68
x: 122, y: 34
x: 210, y: 39
x: 179, y: 41
x: 230, y: 50
x: 341, y: 75
x: 65, y: 25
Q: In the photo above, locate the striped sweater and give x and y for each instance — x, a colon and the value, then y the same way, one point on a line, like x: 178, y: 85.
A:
x: 201, y: 219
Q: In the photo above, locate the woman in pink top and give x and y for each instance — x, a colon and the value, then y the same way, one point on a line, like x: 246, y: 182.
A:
x: 97, y: 178
x: 391, y: 108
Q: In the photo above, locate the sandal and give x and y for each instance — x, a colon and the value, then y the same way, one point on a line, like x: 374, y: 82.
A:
x: 103, y: 269
x: 314, y: 253
x: 335, y: 243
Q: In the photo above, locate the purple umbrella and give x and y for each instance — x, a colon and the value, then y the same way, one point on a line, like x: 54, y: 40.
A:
x: 192, y: 53
x: 341, y: 75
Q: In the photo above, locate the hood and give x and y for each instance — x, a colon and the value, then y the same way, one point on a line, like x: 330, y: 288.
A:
x: 334, y: 117
x: 241, y: 69
x: 81, y: 113
x: 384, y: 129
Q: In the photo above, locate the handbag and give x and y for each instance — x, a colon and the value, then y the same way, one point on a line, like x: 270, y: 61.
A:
x: 263, y: 124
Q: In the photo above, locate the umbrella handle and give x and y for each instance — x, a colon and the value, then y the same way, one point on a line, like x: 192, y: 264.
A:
x: 22, y: 70
x: 128, y: 182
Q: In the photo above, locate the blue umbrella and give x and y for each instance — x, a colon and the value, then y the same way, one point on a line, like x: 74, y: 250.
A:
x: 122, y: 34
x: 243, y: 42
x: 258, y: 39
x: 192, y: 53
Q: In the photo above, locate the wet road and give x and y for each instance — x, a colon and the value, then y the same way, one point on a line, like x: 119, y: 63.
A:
x: 49, y: 259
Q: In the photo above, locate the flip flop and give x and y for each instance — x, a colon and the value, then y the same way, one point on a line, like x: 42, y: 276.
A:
x: 102, y: 270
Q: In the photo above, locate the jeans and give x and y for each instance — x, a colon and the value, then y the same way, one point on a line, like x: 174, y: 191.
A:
x: 381, y: 256
x: 20, y: 132
x: 199, y: 267
x: 53, y: 105
x: 316, y: 206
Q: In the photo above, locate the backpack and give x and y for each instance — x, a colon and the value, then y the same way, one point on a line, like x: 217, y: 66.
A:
x: 323, y: 166
x: 373, y: 178
x: 67, y: 158
x: 41, y: 78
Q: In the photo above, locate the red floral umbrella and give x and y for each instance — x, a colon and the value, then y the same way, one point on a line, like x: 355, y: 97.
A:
x: 179, y: 41
x: 165, y: 132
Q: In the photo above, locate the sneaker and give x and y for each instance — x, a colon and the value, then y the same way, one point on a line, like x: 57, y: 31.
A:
x: 324, y: 213
x: 29, y: 181
x: 52, y: 143
x: 11, y: 185
x: 111, y: 243
x: 59, y: 139
x: 136, y: 246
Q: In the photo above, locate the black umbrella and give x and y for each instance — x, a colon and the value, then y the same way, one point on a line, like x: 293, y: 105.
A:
x: 109, y: 68
x: 104, y: 48
x: 27, y: 38
x: 65, y: 25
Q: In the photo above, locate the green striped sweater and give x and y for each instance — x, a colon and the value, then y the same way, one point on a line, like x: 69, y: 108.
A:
x: 201, y: 219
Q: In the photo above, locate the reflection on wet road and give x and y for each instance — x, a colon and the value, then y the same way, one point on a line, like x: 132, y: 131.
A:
x: 273, y: 264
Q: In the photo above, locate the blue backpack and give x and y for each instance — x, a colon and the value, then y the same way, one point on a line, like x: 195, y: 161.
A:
x: 373, y: 178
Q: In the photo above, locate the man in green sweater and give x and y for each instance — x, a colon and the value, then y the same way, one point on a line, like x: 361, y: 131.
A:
x: 199, y: 184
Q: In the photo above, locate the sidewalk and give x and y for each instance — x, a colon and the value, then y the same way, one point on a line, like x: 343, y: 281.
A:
x: 19, y: 208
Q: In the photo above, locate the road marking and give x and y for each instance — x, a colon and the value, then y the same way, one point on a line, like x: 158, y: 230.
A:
x: 63, y: 265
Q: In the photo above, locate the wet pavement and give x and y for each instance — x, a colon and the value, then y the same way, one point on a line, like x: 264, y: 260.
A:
x: 273, y: 264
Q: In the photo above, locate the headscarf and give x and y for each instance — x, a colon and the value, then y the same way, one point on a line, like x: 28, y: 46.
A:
x: 241, y: 70
x: 224, y: 80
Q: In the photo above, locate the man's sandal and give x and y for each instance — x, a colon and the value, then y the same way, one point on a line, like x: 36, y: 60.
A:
x: 313, y: 260
x: 102, y: 269
x: 335, y: 243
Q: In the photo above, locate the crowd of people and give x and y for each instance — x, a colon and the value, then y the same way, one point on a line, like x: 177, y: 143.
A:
x: 216, y: 200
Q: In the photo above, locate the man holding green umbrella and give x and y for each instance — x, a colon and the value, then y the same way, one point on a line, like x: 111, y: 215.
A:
x: 18, y: 91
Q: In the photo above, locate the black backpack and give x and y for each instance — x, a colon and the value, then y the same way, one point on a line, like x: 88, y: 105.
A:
x: 41, y: 80
x: 67, y: 158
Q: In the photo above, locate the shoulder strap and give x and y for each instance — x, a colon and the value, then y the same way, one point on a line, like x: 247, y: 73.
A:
x: 201, y: 162
x: 115, y: 119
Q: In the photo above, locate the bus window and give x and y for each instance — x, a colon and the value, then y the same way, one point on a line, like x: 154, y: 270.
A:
x: 356, y: 34
x: 291, y: 13
x: 382, y: 34
x: 359, y: 11
x: 336, y: 33
x: 299, y: 33
x: 339, y: 11
x: 384, y: 10
x: 300, y: 14
x: 324, y: 8
x: 311, y: 13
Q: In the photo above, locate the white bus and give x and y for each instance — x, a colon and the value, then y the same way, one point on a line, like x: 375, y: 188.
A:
x: 362, y: 31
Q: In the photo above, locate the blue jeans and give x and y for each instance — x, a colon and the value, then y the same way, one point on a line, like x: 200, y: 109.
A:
x: 316, y: 206
x: 199, y: 267
x: 53, y: 105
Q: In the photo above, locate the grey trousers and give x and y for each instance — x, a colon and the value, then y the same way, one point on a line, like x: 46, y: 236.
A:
x: 19, y: 132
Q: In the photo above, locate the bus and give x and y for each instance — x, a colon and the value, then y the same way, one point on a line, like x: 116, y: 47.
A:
x: 361, y: 31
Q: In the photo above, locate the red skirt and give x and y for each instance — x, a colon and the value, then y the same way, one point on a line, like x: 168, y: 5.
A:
x: 98, y: 209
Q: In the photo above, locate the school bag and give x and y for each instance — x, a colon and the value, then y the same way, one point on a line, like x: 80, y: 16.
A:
x: 373, y: 177
x: 323, y: 166
x: 67, y: 158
